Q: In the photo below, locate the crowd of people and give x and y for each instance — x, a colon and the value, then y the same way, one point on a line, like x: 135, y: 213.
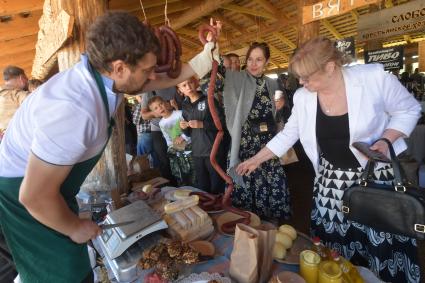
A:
x: 58, y: 133
x: 413, y: 82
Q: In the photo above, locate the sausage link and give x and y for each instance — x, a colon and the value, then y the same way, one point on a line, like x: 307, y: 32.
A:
x: 204, y: 29
x: 228, y: 227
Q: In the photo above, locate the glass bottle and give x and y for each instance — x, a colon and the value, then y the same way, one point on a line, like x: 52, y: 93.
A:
x: 320, y: 249
x: 309, y: 266
x: 350, y: 274
x: 329, y: 272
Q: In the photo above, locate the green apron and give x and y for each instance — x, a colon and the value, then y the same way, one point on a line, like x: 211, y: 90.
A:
x: 42, y: 254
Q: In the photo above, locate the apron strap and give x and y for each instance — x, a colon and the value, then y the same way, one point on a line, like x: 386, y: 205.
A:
x: 101, y: 86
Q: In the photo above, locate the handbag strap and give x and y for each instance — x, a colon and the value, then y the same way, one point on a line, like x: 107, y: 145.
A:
x: 399, y: 175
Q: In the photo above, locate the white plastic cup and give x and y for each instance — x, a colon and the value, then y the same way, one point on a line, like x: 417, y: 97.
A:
x: 278, y: 94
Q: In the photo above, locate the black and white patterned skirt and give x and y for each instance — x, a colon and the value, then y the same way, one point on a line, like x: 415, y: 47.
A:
x: 391, y: 257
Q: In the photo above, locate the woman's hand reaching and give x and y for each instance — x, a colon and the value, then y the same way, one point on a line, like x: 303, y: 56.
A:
x: 248, y: 166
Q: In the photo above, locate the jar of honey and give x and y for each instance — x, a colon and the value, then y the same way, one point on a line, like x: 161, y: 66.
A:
x: 329, y: 272
x: 309, y: 266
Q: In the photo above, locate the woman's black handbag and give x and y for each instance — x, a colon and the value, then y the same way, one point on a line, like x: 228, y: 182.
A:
x: 397, y: 209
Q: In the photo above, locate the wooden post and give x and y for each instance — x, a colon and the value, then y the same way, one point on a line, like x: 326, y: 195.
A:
x: 376, y: 43
x: 110, y: 172
x: 310, y: 30
x: 421, y: 55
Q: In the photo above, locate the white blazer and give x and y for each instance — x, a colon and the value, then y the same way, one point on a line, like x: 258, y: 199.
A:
x: 376, y: 102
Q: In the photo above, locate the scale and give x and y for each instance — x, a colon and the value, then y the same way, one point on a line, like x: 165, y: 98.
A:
x: 114, y: 242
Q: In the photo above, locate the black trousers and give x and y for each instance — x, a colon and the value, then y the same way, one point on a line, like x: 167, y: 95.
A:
x: 206, y: 177
x: 160, y: 149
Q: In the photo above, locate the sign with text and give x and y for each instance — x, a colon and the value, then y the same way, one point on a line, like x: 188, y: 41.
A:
x: 346, y: 46
x: 330, y: 8
x: 391, y: 58
x: 402, y: 19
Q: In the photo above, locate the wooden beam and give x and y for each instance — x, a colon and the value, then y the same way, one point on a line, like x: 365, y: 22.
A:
x: 273, y: 63
x: 18, y: 59
x: 276, y: 50
x: 196, y: 12
x: 248, y: 11
x: 13, y: 7
x: 331, y: 29
x: 190, y: 41
x: 187, y: 31
x: 229, y: 22
x: 134, y: 5
x: 159, y: 10
x: 10, y: 47
x: 388, y: 4
x: 407, y: 38
x: 355, y: 15
x: 19, y: 27
x: 272, y: 9
x: 285, y: 40
x: 275, y: 27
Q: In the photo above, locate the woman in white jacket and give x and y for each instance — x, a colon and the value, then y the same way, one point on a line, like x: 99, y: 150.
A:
x: 336, y: 107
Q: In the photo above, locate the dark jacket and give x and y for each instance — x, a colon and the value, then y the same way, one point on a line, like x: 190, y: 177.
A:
x: 202, y: 138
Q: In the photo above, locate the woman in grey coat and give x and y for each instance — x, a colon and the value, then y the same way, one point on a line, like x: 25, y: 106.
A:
x: 250, y: 117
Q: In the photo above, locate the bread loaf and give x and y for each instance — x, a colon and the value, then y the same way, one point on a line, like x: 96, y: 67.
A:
x: 181, y: 194
x: 289, y: 230
x: 147, y: 188
x: 192, y: 216
x: 181, y: 204
x: 284, y: 239
x: 279, y: 251
x: 181, y: 218
x: 201, y: 213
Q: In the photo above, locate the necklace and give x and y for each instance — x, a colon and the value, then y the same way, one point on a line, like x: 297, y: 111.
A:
x: 325, y: 106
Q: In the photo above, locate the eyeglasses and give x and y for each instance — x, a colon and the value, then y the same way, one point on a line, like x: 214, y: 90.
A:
x: 307, y: 78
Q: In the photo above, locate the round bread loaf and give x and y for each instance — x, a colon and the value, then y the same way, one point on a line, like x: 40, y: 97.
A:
x: 289, y: 230
x: 284, y: 239
x: 279, y: 251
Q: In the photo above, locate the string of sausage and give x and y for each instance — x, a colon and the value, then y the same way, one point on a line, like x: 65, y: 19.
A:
x: 170, y: 51
x: 228, y: 227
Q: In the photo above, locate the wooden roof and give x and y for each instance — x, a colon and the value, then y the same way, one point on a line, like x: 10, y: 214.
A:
x: 245, y: 21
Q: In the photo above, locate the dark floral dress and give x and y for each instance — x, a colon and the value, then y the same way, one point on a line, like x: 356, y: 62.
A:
x: 265, y: 191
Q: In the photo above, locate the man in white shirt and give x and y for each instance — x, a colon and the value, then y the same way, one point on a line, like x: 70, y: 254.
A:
x: 56, y: 138
x: 12, y: 94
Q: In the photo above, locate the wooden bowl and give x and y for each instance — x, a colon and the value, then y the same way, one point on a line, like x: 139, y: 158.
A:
x: 230, y: 216
x: 289, y: 277
x: 204, y: 248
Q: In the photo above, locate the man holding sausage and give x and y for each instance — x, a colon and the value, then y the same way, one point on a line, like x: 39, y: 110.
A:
x: 56, y: 138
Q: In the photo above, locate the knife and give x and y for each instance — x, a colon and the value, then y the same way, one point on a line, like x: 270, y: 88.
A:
x: 110, y: 226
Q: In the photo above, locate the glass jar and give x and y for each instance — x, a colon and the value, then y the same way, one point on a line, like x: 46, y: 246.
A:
x: 329, y: 272
x: 309, y: 266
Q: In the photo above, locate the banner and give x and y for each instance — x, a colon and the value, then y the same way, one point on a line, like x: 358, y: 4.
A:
x: 330, y: 8
x: 401, y: 19
x: 391, y: 58
x: 346, y: 46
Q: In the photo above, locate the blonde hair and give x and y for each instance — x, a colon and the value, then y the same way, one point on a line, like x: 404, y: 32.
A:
x: 314, y: 55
